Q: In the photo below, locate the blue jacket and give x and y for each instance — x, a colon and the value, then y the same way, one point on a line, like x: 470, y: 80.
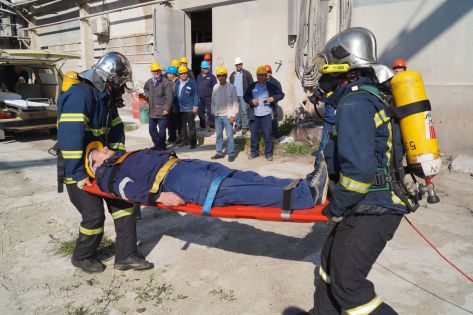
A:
x: 189, y: 96
x: 84, y: 116
x: 135, y: 177
x: 362, y: 144
x: 206, y: 85
x: 274, y: 91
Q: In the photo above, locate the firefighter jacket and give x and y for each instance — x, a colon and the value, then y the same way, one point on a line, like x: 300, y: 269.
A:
x: 361, y: 147
x: 85, y: 115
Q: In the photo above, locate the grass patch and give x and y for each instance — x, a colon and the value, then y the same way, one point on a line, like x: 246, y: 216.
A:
x: 105, y: 250
x: 80, y: 310
x: 157, y: 293
x: 298, y: 148
x: 223, y: 296
x: 130, y: 126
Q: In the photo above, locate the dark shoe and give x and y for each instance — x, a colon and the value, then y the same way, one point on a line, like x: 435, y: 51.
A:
x: 318, y: 183
x: 192, y: 146
x: 181, y: 144
x: 217, y: 156
x: 135, y: 262
x: 244, y: 131
x: 269, y: 157
x: 231, y: 158
x: 172, y: 140
x: 251, y: 157
x: 154, y: 147
x: 89, y: 265
x: 211, y: 130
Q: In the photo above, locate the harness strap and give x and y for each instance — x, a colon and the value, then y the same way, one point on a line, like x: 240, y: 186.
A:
x: 286, y: 208
x: 212, y: 192
x: 409, y: 109
x: 162, y: 173
x: 60, y: 172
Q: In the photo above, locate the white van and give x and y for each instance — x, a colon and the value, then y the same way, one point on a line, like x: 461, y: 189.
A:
x: 30, y: 84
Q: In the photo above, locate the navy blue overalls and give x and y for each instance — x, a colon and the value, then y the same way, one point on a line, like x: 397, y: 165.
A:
x: 191, y: 180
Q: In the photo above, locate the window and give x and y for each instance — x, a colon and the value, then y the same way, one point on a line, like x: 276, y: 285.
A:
x: 46, y: 76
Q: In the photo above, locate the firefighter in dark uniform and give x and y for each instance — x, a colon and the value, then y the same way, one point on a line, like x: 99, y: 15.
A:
x: 363, y: 206
x: 87, y: 112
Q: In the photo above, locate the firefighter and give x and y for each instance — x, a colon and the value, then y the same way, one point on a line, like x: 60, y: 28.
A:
x: 87, y: 112
x: 363, y: 207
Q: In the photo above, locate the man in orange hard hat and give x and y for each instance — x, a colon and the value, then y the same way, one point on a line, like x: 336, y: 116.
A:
x: 208, y: 58
x: 274, y: 105
x: 399, y: 65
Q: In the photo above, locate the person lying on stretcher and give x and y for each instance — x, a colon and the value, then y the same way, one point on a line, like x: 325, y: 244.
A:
x: 149, y: 176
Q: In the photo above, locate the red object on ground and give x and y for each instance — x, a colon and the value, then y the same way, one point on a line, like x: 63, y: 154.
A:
x: 238, y: 211
x: 136, y: 101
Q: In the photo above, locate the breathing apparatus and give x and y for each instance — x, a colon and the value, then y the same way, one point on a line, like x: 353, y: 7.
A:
x: 352, y: 53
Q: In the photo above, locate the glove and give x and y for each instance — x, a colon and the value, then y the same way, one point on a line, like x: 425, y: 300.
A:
x: 82, y: 183
x: 326, y: 212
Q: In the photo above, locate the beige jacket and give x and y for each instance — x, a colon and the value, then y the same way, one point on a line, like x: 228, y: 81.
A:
x: 230, y: 107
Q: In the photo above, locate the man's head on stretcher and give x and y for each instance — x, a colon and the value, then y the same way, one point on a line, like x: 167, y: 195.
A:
x: 97, y: 157
x: 146, y: 175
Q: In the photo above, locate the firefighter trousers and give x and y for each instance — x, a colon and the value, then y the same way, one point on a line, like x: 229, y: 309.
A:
x: 91, y: 227
x: 346, y: 259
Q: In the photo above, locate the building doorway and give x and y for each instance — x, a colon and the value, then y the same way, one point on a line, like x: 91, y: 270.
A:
x: 201, y: 32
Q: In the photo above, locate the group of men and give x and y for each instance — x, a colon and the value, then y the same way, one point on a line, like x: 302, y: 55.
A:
x: 364, y: 146
x: 176, y: 96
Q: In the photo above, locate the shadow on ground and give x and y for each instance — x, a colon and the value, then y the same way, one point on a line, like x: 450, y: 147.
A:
x: 233, y: 236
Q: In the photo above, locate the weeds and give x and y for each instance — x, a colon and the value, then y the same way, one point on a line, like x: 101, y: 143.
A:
x: 298, y: 148
x: 157, y: 293
x: 81, y: 310
x: 222, y: 295
x: 110, y: 294
x: 105, y: 250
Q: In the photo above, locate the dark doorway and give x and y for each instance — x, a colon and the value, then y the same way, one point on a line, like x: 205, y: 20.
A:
x: 201, y: 31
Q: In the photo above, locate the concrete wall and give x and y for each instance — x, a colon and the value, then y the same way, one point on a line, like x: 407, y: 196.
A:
x: 434, y: 36
x: 257, y: 32
x: 131, y: 33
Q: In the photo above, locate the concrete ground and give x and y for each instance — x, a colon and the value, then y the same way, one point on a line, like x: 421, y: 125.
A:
x: 210, y: 265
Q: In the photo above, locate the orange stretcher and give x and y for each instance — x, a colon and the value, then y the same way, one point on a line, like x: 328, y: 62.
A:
x: 238, y: 211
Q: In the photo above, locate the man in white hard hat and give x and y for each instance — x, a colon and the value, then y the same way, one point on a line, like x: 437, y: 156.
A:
x: 241, y: 79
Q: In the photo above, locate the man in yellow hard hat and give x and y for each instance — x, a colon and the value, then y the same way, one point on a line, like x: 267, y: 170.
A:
x: 187, y: 96
x: 260, y: 95
x: 224, y: 105
x: 184, y: 62
x: 175, y: 63
x: 160, y: 96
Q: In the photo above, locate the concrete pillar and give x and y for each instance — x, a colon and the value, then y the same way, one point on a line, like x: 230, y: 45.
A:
x: 86, y: 39
x: 333, y: 19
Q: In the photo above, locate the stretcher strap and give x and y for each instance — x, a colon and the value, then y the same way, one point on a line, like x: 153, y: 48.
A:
x: 209, y: 200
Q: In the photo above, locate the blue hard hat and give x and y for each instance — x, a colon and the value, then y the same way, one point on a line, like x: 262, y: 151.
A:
x: 204, y: 65
x: 172, y: 69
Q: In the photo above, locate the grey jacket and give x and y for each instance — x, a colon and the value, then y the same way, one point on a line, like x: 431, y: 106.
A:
x: 160, y: 96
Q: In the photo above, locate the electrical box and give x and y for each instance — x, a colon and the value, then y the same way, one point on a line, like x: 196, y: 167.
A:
x: 101, y: 26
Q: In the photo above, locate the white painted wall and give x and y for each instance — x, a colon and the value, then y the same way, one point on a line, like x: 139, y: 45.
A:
x: 257, y: 32
x: 434, y: 36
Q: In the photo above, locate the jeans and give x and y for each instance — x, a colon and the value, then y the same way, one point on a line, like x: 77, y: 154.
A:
x: 157, y: 131
x: 241, y: 119
x: 262, y: 123
x: 191, y: 180
x: 188, y: 119
x: 205, y: 106
x: 223, y: 122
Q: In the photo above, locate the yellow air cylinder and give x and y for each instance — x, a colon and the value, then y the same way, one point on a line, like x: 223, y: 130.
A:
x: 70, y: 78
x: 418, y: 134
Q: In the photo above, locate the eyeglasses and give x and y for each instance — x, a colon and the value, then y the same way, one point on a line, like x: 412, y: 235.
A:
x: 239, y: 64
x: 221, y: 75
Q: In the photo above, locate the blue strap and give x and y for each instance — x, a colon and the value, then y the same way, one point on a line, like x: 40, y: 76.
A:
x: 209, y: 200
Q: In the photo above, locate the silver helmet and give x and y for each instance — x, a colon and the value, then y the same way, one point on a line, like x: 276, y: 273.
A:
x: 113, y: 67
x: 356, y: 47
